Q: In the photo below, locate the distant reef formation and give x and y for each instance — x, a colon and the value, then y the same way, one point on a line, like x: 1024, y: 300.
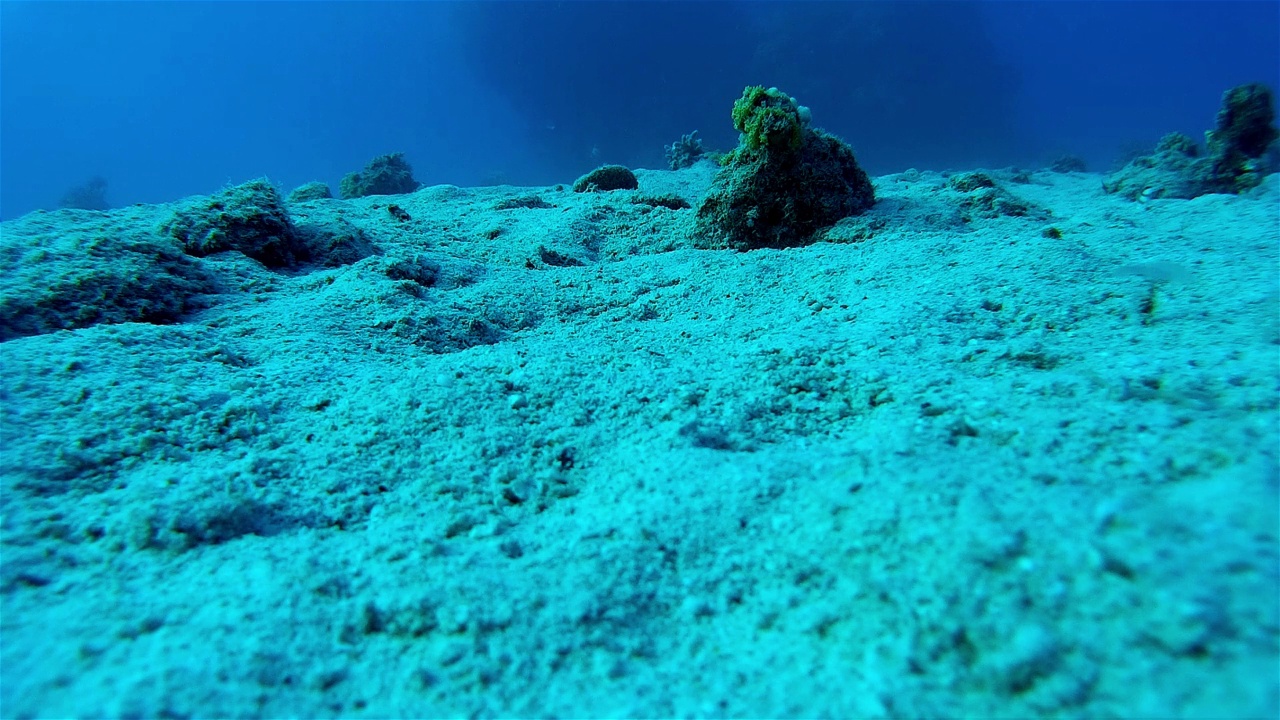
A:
x: 685, y: 152
x: 1238, y: 153
x: 92, y: 195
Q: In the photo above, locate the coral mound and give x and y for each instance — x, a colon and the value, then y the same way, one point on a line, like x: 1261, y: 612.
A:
x: 606, y: 178
x: 1235, y: 159
x: 384, y: 175
x: 249, y: 217
x: 783, y: 183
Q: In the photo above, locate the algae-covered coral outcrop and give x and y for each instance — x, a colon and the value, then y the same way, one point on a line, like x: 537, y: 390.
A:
x: 783, y: 183
x: 1234, y: 158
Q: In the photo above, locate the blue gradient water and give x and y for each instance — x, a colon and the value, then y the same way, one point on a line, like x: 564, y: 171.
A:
x: 170, y: 99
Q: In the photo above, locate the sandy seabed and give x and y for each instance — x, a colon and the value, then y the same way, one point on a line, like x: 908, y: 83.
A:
x: 537, y: 456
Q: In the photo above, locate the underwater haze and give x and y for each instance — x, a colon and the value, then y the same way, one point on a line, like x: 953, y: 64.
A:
x: 164, y: 100
x: 607, y: 359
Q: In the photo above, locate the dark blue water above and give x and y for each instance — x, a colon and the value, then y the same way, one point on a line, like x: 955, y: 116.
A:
x: 162, y: 100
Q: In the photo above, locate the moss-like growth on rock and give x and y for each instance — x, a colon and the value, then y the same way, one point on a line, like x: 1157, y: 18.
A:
x: 250, y: 218
x: 335, y: 243
x: 310, y: 191
x: 784, y: 182
x: 387, y: 174
x: 970, y: 181
x: 606, y: 178
x: 769, y: 119
x: 64, y: 271
x: 1174, y: 170
x: 668, y: 201
x: 1246, y: 122
x: 528, y: 202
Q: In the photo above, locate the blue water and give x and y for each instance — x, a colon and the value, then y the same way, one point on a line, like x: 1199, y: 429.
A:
x: 169, y: 99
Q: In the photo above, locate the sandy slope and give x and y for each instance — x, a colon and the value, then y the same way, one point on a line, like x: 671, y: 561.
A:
x: 552, y: 461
